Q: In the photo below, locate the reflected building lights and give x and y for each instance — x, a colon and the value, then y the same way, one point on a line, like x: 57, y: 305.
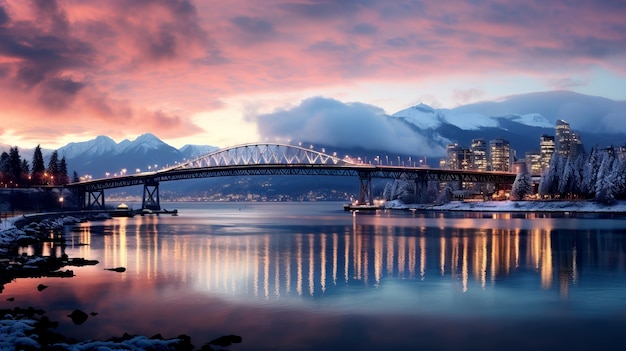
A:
x: 442, y: 255
x: 422, y: 248
x: 378, y: 258
x: 276, y: 266
x: 323, y: 261
x: 311, y: 264
x: 299, y: 264
x: 266, y: 266
x: 346, y: 255
x: 464, y: 269
x: 335, y: 256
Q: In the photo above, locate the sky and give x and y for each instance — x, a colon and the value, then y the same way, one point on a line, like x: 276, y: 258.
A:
x: 224, y: 73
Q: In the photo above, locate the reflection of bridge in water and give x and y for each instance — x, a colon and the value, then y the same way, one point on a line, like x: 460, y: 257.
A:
x: 302, y: 263
x: 277, y: 159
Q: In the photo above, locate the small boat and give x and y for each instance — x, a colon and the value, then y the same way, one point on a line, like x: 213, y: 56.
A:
x: 122, y: 210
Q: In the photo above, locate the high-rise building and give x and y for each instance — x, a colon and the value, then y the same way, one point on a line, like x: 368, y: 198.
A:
x: 563, y: 138
x: 479, y: 155
x: 465, y: 158
x: 568, y: 143
x: 500, y: 155
x: 546, y: 150
x: 533, y: 162
x: 452, y: 156
x: 576, y: 146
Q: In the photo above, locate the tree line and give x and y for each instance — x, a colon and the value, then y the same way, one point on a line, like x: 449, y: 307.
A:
x: 599, y: 175
x: 16, y: 172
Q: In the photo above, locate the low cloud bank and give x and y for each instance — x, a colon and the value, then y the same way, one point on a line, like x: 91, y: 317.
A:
x: 347, y: 125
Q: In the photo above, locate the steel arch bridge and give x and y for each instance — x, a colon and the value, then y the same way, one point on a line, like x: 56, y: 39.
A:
x: 273, y: 159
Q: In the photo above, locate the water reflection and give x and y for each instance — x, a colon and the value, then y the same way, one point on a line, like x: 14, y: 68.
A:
x: 302, y: 261
x: 318, y: 278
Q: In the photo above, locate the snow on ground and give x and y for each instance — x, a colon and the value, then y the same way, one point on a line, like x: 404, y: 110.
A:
x: 16, y: 334
x: 516, y: 206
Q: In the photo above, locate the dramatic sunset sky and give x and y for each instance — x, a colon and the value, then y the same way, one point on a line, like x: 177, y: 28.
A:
x: 206, y: 72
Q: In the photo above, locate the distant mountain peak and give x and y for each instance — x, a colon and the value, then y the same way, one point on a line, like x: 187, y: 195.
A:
x: 98, y: 146
x: 195, y: 151
x: 423, y: 108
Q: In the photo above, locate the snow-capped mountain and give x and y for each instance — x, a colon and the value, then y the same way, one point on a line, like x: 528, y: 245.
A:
x: 425, y: 117
x: 103, y: 155
x: 522, y: 119
x: 95, y: 147
x: 194, y: 151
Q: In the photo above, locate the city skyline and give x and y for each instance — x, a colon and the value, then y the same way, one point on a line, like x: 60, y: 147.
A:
x: 211, y: 73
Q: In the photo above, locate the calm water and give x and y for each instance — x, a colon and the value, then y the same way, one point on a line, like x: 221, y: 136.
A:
x: 309, y: 276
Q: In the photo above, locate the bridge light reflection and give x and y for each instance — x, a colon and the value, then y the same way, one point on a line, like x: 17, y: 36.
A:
x: 275, y: 266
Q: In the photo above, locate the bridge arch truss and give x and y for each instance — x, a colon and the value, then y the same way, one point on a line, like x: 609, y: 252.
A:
x: 264, y: 154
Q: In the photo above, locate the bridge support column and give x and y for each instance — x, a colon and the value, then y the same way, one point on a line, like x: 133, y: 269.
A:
x: 150, y: 199
x: 365, y: 191
x: 94, y: 200
x: 421, y: 191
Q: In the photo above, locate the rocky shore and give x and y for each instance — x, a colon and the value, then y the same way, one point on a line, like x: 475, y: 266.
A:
x: 26, y: 328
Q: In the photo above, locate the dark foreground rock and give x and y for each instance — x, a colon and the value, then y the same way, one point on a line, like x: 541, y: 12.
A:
x: 30, y: 329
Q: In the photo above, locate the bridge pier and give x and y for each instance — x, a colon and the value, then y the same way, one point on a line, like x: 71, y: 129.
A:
x: 94, y: 200
x: 365, y: 191
x: 150, y: 199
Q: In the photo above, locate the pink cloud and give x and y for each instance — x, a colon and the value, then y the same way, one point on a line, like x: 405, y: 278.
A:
x: 96, y: 66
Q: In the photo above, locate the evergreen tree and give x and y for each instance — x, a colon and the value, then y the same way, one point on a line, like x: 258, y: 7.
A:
x: 579, y: 169
x: 63, y: 178
x: 401, y: 189
x: 15, y: 166
x: 75, y: 177
x: 53, y: 168
x: 548, y: 186
x: 605, y: 187
x: 4, y: 167
x: 567, y: 179
x: 39, y: 168
x: 25, y: 169
x: 522, y: 186
x: 590, y: 173
x: 620, y: 178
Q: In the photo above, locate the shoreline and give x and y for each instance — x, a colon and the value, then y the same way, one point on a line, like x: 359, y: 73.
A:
x: 553, y: 206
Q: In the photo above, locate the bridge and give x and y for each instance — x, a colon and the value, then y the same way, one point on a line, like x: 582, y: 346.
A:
x: 275, y: 159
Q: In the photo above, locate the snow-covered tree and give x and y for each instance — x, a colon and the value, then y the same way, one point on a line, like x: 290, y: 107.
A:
x: 578, y: 168
x: 445, y: 196
x: 401, y: 189
x: 620, y: 178
x: 567, y: 178
x: 605, y: 180
x: 590, y: 173
x: 549, y: 184
x: 522, y: 186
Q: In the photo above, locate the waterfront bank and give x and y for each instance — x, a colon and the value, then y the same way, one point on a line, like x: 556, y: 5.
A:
x: 583, y: 206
